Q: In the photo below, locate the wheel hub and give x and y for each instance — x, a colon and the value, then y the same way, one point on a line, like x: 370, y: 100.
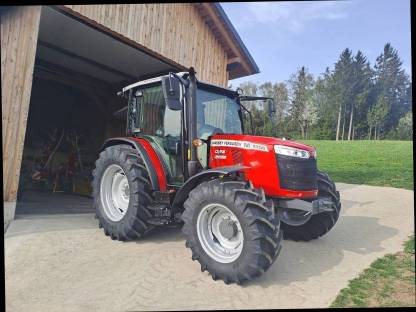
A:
x: 228, y: 229
x: 115, y: 192
x: 125, y: 190
x: 219, y: 232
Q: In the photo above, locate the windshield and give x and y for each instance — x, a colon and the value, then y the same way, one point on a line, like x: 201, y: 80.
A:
x: 217, y: 113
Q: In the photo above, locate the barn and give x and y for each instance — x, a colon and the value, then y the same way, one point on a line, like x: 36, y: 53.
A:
x: 61, y: 68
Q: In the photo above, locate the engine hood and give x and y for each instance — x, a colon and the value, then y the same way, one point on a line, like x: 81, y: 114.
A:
x: 261, y: 140
x: 258, y: 156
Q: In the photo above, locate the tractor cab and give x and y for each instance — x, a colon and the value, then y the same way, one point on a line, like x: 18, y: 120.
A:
x: 159, y: 111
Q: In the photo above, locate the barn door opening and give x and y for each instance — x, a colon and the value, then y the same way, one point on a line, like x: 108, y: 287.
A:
x: 78, y: 71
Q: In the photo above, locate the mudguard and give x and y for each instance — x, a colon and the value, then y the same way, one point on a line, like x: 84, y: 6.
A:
x: 149, y: 156
x: 200, y: 177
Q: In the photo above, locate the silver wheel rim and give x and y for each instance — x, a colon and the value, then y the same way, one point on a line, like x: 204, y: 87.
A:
x: 219, y: 233
x: 115, y: 192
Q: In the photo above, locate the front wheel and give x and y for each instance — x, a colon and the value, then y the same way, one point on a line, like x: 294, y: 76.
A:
x: 231, y: 230
x: 321, y: 223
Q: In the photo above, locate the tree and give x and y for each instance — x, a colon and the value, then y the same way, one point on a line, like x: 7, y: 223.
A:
x: 343, y: 84
x: 404, y: 129
x: 249, y: 88
x: 301, y: 86
x: 281, y: 100
x: 392, y: 83
x: 279, y: 93
x: 377, y: 115
x: 269, y: 128
x: 256, y: 108
x: 362, y: 83
x: 326, y: 100
x: 352, y: 100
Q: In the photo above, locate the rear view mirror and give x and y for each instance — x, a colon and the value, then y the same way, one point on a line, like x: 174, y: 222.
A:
x: 270, y: 108
x: 172, y: 92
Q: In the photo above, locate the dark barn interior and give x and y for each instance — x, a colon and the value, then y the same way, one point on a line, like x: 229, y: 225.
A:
x: 78, y: 72
x: 65, y: 130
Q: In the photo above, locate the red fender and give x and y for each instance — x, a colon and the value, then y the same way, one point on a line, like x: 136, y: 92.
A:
x: 156, y: 162
x: 151, y: 159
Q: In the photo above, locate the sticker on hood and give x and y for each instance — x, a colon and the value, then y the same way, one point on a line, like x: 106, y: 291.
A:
x: 240, y: 144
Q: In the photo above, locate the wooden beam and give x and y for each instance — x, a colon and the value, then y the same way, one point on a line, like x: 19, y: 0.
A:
x: 155, y: 74
x: 61, y: 72
x: 234, y: 60
x: 84, y: 59
x: 87, y: 21
x: 89, y: 91
x: 98, y: 91
x: 19, y: 33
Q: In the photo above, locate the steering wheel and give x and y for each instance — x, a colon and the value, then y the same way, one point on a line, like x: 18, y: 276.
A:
x: 208, y: 130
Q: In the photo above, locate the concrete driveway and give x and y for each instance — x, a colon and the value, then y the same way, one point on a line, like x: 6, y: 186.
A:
x: 65, y: 263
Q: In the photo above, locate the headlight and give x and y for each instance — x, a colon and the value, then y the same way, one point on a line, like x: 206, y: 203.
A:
x: 291, y: 151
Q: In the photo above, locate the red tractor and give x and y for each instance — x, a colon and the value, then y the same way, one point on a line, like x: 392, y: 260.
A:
x: 186, y: 161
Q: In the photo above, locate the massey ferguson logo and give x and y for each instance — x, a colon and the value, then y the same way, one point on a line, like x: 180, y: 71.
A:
x: 240, y: 144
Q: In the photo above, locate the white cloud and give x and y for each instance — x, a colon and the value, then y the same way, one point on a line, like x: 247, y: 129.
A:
x: 292, y: 16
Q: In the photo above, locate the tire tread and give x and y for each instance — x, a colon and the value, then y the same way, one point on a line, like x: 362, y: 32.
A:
x: 263, y: 226
x: 140, y: 186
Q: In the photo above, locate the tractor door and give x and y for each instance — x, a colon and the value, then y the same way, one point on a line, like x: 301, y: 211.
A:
x: 151, y: 119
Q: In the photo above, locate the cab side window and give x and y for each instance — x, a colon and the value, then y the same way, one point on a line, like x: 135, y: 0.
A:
x: 163, y: 128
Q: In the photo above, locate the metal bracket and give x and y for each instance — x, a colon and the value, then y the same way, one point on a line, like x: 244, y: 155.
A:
x: 322, y: 205
x: 160, y: 210
x: 162, y: 197
x: 162, y: 215
x: 316, y: 206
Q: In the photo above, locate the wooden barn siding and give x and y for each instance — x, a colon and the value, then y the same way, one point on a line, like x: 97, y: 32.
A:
x: 19, y: 33
x: 174, y: 30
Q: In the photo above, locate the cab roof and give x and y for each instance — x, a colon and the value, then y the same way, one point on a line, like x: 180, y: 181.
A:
x: 204, y: 85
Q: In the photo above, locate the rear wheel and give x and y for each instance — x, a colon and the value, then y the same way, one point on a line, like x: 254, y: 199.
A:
x: 319, y: 224
x: 122, y: 193
x: 231, y: 230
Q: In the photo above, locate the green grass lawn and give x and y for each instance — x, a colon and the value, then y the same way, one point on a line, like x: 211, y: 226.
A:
x: 389, y: 282
x: 381, y: 163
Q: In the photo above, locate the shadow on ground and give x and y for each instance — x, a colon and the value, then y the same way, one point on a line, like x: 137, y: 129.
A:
x: 47, y: 203
x: 299, y: 261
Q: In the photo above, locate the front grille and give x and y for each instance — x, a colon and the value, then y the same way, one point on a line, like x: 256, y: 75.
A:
x: 297, y: 174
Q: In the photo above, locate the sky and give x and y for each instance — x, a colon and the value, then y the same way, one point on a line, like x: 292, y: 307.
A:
x: 283, y: 36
